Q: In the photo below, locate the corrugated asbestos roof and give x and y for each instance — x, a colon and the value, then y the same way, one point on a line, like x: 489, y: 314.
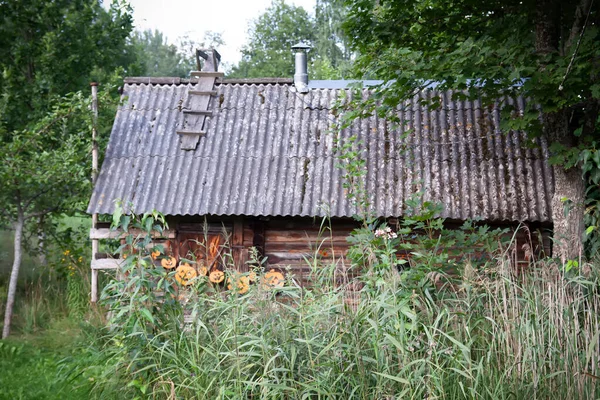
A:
x: 270, y: 151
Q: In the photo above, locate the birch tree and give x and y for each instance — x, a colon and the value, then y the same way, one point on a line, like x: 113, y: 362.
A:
x: 47, y: 50
x: 44, y: 170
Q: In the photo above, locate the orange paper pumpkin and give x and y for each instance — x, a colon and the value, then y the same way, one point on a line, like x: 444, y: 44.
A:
x: 169, y: 262
x: 202, y: 268
x: 242, y: 284
x: 252, y: 276
x: 185, y: 274
x: 155, y: 254
x: 216, y: 276
x: 273, y: 279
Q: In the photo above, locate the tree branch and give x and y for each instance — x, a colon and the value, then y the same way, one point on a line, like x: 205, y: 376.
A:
x: 581, y: 14
x: 40, y: 213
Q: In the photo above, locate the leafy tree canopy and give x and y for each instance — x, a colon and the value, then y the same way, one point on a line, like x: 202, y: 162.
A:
x: 270, y: 38
x: 49, y: 53
x: 546, y: 51
x: 156, y: 57
x: 51, y: 48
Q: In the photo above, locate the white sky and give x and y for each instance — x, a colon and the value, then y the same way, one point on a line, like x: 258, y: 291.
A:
x: 176, y: 18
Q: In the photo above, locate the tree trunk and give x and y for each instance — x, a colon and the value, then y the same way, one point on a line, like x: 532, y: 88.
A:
x: 14, y: 275
x: 567, y: 213
x: 42, y: 243
x: 569, y: 187
x: 569, y: 193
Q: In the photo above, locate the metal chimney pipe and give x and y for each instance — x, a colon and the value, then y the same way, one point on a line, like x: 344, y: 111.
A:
x: 301, y: 74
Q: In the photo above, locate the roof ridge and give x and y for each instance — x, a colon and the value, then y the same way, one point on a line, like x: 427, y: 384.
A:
x: 151, y: 80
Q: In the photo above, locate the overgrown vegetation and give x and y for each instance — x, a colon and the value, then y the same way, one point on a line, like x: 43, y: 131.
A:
x: 492, y: 331
x: 415, y: 311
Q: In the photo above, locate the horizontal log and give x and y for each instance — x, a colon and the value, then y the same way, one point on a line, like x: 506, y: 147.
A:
x: 322, y: 251
x: 307, y: 244
x: 286, y: 257
x: 282, y: 236
x: 310, y: 224
x: 105, y: 233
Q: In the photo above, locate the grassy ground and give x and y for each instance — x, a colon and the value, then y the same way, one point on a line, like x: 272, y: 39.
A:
x: 36, y: 366
x: 37, y: 360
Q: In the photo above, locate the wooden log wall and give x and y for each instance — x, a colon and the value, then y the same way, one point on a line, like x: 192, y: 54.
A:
x: 292, y: 244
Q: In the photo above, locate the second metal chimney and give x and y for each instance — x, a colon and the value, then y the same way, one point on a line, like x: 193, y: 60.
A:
x: 301, y: 74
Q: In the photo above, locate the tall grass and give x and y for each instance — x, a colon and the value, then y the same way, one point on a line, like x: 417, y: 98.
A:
x: 491, y: 335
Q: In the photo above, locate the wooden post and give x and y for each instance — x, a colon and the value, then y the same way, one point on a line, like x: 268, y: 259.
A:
x: 238, y: 244
x: 94, y: 282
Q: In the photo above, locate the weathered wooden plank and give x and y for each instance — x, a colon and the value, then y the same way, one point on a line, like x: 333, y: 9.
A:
x: 300, y: 257
x: 281, y: 236
x: 193, y: 133
x: 258, y: 237
x: 106, y: 263
x: 211, y: 227
x: 310, y: 224
x: 237, y: 241
x: 198, y: 112
x: 105, y: 233
x: 203, y: 92
x: 306, y: 244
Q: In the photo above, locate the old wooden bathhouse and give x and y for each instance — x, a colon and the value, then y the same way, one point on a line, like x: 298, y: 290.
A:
x: 258, y: 159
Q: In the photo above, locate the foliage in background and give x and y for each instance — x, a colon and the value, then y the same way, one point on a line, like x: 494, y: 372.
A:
x: 268, y: 52
x: 49, y: 49
x: 156, y: 57
x: 590, y: 161
x: 545, y: 51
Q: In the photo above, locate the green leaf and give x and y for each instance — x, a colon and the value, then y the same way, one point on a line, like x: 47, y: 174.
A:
x: 147, y: 315
x: 393, y: 378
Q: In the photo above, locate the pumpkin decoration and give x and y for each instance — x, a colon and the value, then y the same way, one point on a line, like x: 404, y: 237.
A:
x: 242, y: 284
x: 203, y: 270
x: 185, y: 274
x: 155, y: 254
x: 252, y: 276
x: 168, y: 262
x: 216, y: 276
x: 273, y: 279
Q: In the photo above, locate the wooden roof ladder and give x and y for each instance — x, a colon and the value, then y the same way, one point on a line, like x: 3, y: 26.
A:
x: 197, y: 104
